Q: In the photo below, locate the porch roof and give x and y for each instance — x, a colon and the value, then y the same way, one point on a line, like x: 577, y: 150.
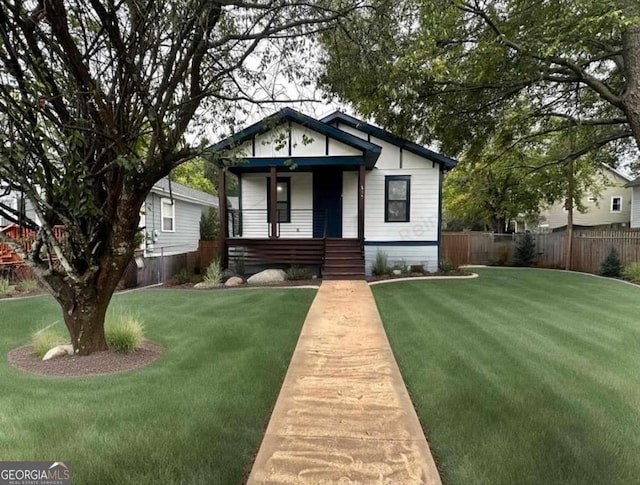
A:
x: 370, y: 152
x: 339, y: 117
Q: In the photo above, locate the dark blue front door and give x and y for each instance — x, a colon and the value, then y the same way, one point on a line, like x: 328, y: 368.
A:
x: 327, y: 202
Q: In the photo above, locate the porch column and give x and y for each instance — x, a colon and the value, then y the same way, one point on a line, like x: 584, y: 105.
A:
x: 223, y: 216
x: 273, y: 208
x: 361, y: 182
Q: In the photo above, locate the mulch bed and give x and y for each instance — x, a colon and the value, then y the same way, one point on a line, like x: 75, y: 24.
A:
x: 96, y: 364
x: 189, y: 286
x: 417, y: 275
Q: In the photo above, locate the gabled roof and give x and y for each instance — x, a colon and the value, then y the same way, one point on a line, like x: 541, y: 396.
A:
x: 384, y: 135
x: 182, y: 192
x: 370, y: 151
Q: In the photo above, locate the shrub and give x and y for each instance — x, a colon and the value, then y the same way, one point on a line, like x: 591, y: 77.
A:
x: 447, y: 266
x: 502, y: 256
x: 209, y: 225
x: 417, y: 268
x: 46, y: 339
x: 298, y: 273
x: 184, y: 276
x: 124, y: 333
x: 525, y: 251
x: 631, y: 272
x: 27, y: 285
x: 381, y: 264
x: 611, y: 266
x: 5, y: 287
x: 214, y: 274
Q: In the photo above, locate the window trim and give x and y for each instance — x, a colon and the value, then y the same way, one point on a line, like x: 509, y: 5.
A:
x: 611, y: 209
x: 163, y: 215
x: 392, y: 178
x: 287, y: 181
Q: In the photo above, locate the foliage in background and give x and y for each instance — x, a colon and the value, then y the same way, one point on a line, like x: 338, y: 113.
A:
x: 124, y: 332
x: 381, y: 264
x: 524, y: 253
x: 209, y: 225
x: 631, y: 272
x: 213, y: 277
x: 192, y: 174
x: 5, y: 287
x: 611, y: 266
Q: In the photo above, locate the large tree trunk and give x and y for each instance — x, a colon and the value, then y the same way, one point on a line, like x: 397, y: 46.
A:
x: 631, y: 97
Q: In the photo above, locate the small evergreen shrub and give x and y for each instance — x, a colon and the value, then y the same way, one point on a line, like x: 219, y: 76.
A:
x: 5, y: 287
x: 214, y: 274
x: 298, y: 273
x: 447, y: 266
x: 501, y: 258
x: 209, y: 226
x: 525, y: 251
x: 184, y: 276
x: 27, y: 285
x: 124, y: 333
x: 381, y: 264
x: 631, y: 272
x: 417, y: 268
x: 611, y: 266
x: 46, y: 339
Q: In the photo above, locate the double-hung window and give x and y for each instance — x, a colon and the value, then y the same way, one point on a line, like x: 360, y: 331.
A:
x: 168, y: 215
x: 616, y: 204
x: 283, y: 199
x: 397, y: 196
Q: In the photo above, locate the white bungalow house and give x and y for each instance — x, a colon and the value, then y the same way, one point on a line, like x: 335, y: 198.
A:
x: 330, y: 193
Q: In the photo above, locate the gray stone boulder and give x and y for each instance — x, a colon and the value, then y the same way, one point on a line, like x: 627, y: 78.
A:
x: 234, y: 281
x: 267, y: 276
x: 58, y: 351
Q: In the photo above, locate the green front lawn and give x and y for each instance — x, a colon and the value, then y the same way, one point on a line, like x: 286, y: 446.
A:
x: 196, y: 416
x: 522, y: 376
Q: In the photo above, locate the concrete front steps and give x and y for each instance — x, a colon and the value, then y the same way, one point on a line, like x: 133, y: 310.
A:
x: 343, y: 260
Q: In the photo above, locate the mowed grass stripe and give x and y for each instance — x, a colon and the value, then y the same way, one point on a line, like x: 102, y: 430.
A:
x: 196, y: 416
x: 522, y: 376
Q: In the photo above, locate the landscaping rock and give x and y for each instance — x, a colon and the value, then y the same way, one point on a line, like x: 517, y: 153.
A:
x: 267, y: 276
x: 234, y: 281
x: 58, y: 351
x: 201, y: 285
x: 226, y: 274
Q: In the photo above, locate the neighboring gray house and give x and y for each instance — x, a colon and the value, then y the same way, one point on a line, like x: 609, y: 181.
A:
x: 171, y: 218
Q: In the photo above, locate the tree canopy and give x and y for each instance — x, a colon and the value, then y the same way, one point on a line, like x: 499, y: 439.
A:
x: 451, y: 71
x: 96, y: 102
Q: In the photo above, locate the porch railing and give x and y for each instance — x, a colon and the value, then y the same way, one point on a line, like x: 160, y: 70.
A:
x: 296, y: 223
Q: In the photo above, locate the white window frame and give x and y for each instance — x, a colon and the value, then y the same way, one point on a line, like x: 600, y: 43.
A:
x: 163, y: 202
x: 611, y: 205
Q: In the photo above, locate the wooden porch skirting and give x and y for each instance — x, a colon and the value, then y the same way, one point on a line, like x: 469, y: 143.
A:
x: 280, y: 251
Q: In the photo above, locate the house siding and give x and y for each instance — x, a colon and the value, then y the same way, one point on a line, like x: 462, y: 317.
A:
x: 254, y: 206
x: 187, y: 227
x: 350, y: 204
x: 597, y: 213
x: 635, y: 207
x: 425, y: 255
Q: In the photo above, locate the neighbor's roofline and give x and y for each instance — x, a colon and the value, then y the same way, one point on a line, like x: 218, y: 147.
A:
x: 159, y: 190
x: 384, y: 135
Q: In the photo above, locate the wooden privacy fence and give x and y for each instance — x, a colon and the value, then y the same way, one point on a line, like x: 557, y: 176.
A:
x: 590, y: 248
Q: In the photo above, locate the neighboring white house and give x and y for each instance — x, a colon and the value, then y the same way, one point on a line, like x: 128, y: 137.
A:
x: 171, y: 218
x: 342, y: 190
x: 610, y: 208
x: 634, y: 187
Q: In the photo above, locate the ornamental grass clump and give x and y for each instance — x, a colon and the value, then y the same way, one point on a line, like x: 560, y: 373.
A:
x: 213, y: 278
x: 381, y: 264
x: 44, y: 340
x: 26, y: 286
x: 5, y: 287
x: 124, y: 333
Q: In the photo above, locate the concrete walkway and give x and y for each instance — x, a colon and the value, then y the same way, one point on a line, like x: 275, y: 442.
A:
x: 343, y: 414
